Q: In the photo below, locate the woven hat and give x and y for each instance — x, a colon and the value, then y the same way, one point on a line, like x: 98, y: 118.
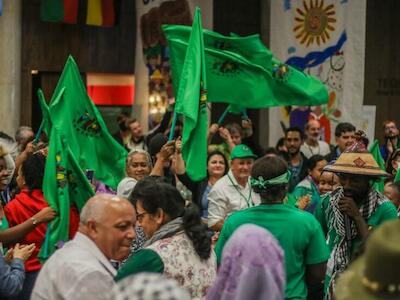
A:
x: 376, y: 274
x: 357, y: 160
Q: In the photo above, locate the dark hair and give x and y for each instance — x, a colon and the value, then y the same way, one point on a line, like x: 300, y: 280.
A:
x: 313, y: 161
x: 216, y: 152
x: 33, y: 171
x: 388, y: 180
x: 396, y: 185
x: 280, y: 143
x: 232, y: 127
x: 391, y: 158
x: 269, y: 167
x: 5, y: 136
x: 343, y: 127
x: 294, y: 129
x: 122, y: 120
x: 155, y: 194
x: 131, y: 121
x: 156, y: 143
x: 271, y: 150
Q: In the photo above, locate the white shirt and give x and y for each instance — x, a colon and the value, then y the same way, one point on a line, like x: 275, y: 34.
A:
x: 322, y: 149
x: 125, y: 187
x: 228, y: 196
x: 78, y: 271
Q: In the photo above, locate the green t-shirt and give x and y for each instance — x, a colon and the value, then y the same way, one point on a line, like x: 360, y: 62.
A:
x: 305, y: 187
x: 298, y: 233
x: 145, y: 260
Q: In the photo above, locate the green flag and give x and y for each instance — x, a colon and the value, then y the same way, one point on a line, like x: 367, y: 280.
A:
x: 64, y: 184
x: 250, y: 47
x: 45, y: 126
x: 248, y: 76
x: 191, y: 102
x: 376, y: 153
x: 75, y: 115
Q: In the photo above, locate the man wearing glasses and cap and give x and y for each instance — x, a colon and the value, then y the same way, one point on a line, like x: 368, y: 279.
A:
x: 349, y: 212
x: 233, y: 191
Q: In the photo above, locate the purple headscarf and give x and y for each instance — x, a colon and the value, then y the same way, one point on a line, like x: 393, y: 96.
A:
x: 252, y: 267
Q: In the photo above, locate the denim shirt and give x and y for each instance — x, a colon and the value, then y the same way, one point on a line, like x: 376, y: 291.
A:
x: 11, y: 277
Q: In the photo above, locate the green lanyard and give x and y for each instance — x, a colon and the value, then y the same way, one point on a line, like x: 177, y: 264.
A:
x: 248, y: 200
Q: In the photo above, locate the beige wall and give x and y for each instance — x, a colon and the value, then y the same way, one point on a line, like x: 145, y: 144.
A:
x: 10, y: 66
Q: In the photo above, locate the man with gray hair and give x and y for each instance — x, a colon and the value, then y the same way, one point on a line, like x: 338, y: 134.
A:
x: 82, y: 268
x: 23, y: 136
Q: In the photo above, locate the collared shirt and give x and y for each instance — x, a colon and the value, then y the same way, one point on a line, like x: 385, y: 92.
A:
x: 77, y: 271
x: 228, y: 196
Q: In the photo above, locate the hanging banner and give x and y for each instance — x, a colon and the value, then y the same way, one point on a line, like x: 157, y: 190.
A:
x: 324, y: 38
x: 153, y: 85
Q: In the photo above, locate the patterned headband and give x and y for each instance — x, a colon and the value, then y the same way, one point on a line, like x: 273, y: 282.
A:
x: 262, y: 184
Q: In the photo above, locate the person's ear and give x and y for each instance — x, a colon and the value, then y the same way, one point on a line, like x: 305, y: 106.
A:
x: 160, y: 216
x: 91, y: 227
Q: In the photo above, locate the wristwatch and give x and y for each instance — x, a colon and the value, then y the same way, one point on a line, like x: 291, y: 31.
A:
x: 35, y: 221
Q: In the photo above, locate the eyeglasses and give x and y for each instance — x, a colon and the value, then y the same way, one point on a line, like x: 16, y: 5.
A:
x: 140, y: 217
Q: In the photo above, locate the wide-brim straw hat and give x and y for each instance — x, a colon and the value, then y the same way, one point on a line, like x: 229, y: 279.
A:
x: 357, y: 164
x: 375, y: 275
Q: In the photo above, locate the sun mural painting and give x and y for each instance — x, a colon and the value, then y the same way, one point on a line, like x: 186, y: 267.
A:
x: 314, y: 22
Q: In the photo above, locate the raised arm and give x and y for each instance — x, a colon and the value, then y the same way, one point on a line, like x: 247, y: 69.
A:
x: 17, y: 233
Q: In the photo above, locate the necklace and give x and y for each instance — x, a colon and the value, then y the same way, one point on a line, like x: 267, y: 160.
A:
x: 312, y: 152
x: 248, y: 199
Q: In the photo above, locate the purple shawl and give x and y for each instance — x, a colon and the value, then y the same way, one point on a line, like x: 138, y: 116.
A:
x: 252, y: 267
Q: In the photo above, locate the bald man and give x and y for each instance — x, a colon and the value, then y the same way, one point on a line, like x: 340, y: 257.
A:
x: 82, y: 268
x: 312, y: 144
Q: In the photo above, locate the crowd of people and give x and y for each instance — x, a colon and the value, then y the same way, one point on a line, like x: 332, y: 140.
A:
x: 301, y: 220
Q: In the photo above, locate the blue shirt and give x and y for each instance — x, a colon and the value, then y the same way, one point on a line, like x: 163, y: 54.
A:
x: 11, y: 277
x: 204, y: 202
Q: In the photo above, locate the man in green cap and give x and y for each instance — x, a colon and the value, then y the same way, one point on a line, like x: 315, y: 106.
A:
x: 233, y: 191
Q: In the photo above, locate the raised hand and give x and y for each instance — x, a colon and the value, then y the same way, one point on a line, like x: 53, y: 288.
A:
x: 23, y: 252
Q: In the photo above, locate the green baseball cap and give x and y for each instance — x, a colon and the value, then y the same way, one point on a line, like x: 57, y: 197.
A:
x: 242, y: 151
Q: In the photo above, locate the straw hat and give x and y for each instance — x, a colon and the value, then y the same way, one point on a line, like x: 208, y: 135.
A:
x: 357, y: 160
x: 375, y: 275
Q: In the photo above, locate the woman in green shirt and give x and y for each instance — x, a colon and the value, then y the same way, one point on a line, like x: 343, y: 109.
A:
x: 177, y: 245
x: 306, y: 194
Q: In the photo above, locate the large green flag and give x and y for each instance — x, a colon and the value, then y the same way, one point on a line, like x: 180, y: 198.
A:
x: 248, y: 76
x: 250, y: 47
x: 75, y: 115
x: 64, y: 184
x: 376, y: 153
x: 191, y: 102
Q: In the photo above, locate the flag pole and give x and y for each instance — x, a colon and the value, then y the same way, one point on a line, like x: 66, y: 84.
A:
x: 173, y: 125
x: 244, y: 113
x: 222, y: 117
x: 37, y: 136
